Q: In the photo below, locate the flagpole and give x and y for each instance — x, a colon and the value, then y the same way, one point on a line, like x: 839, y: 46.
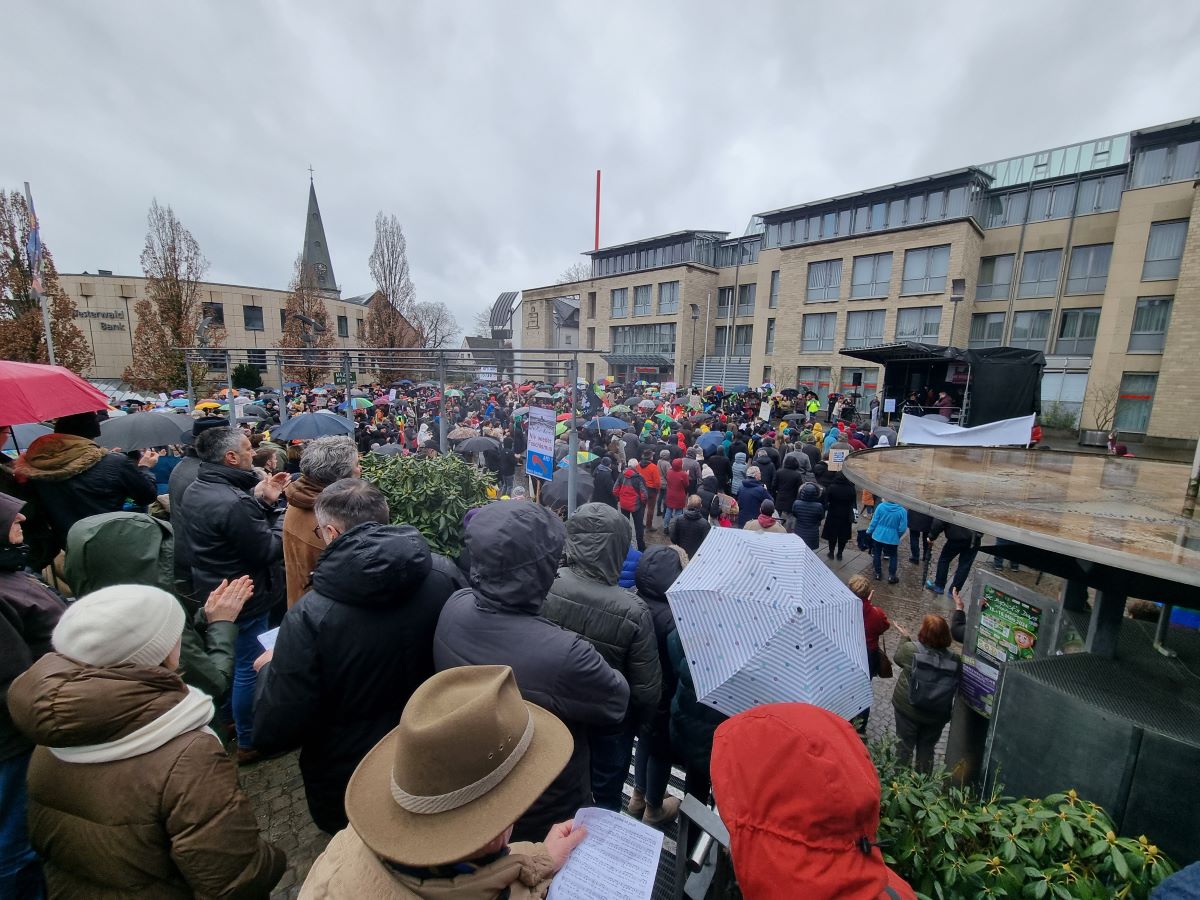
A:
x: 35, y: 273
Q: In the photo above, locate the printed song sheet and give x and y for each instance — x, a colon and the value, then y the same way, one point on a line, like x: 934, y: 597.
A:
x: 267, y: 638
x: 618, y: 859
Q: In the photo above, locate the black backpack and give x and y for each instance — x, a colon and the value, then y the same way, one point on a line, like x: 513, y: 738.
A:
x: 932, y: 681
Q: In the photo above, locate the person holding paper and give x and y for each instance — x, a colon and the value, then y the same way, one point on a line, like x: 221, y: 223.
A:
x: 432, y: 805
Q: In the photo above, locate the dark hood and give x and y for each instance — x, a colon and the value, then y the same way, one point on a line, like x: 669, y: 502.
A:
x: 656, y: 571
x: 9, y: 507
x: 598, y: 539
x: 373, y: 565
x: 119, y: 548
x: 515, y: 549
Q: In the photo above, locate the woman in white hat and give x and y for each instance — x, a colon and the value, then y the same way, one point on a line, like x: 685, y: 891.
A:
x: 432, y: 806
x: 130, y: 794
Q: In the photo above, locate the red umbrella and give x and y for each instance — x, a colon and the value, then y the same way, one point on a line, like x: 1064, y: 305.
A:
x: 34, y: 393
x: 563, y: 417
x: 525, y: 387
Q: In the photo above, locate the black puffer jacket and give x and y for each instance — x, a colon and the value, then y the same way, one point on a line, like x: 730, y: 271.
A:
x: 787, y: 485
x: 349, y: 655
x: 602, y: 486
x: 586, y: 599
x: 656, y: 572
x: 809, y: 511
x: 689, y: 530
x: 229, y: 533
x: 515, y: 548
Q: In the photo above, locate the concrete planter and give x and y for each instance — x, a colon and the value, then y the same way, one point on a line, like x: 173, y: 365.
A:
x: 1093, y: 437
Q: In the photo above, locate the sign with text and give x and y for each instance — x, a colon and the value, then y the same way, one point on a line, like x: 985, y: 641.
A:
x: 539, y: 456
x: 344, y: 378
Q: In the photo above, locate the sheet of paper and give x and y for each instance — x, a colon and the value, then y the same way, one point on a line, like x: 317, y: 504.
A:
x: 618, y: 860
x: 267, y: 638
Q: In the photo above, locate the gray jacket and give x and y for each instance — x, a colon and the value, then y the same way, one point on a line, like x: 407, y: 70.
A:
x: 586, y: 599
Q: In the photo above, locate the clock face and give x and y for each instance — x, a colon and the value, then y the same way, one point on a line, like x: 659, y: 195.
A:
x: 322, y: 269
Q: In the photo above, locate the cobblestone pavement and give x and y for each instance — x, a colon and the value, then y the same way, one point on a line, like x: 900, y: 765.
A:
x: 276, y: 790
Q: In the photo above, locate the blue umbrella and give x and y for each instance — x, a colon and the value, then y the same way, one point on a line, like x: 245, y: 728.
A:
x: 606, y: 423
x: 307, y: 426
x: 178, y: 403
x: 292, y: 384
x: 711, y: 440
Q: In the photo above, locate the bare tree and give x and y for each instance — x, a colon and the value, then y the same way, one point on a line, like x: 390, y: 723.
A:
x: 435, y: 324
x: 170, y: 313
x: 22, y: 336
x: 576, y: 271
x: 481, y: 325
x: 1104, y: 400
x: 389, y: 263
x: 305, y: 305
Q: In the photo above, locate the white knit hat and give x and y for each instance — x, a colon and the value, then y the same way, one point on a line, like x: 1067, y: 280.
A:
x: 125, y: 623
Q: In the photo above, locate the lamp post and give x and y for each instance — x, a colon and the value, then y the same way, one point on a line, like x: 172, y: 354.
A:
x: 958, y: 292
x: 695, y: 319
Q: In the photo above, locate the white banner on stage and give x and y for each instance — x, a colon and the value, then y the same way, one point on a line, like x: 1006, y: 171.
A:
x: 1006, y: 432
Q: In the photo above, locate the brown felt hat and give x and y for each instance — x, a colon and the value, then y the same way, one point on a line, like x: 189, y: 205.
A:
x: 467, y: 759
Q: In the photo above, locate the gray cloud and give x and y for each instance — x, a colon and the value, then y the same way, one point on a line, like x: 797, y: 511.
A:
x: 481, y: 124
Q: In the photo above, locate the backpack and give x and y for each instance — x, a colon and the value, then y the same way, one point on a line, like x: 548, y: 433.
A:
x: 932, y: 681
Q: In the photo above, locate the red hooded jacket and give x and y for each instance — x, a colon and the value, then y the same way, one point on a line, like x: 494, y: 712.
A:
x: 800, y: 797
x: 677, y: 486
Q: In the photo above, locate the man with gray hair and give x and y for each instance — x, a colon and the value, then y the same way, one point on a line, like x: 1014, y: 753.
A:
x: 231, y: 529
x: 354, y: 648
x: 325, y: 460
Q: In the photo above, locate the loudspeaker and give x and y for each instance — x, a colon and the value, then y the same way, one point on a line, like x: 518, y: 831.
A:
x: 857, y: 379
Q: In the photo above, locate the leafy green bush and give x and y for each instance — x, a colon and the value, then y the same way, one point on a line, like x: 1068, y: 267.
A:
x: 431, y: 494
x: 948, y: 843
x: 247, y: 376
x: 1057, y: 415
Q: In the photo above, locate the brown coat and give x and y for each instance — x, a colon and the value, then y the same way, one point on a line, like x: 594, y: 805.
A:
x: 348, y: 870
x: 301, y: 546
x: 169, y: 823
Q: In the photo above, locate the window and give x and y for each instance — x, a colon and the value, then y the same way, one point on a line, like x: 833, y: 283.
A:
x: 1159, y: 165
x: 668, y: 297
x: 864, y: 328
x: 644, y: 339
x: 360, y: 329
x: 1164, y: 249
x: 1077, y: 332
x: 1099, y: 194
x: 1064, y: 391
x: 995, y: 277
x: 215, y: 360
x: 1039, y: 274
x: 746, y: 292
x: 987, y: 330
x: 919, y: 324
x: 868, y: 382
x: 343, y: 324
x: 641, y: 300
x: 721, y: 342
x: 1052, y: 202
x: 591, y: 306
x: 773, y: 299
x: 252, y: 318
x: 282, y: 319
x: 1150, y: 320
x: 216, y: 312
x: 743, y: 336
x: 1030, y: 329
x: 1006, y: 209
x: 925, y: 270
x: 724, y: 302
x: 257, y: 358
x: 815, y: 379
x: 770, y: 336
x: 1134, y: 401
x: 818, y: 332
x: 591, y: 338
x: 872, y: 275
x: 824, y: 280
x: 1088, y: 272
x: 619, y: 307
x: 768, y: 375
x: 566, y: 340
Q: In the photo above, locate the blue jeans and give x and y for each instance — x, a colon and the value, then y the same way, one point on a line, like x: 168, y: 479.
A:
x: 246, y: 650
x: 20, y: 869
x: 611, y: 752
x: 650, y: 773
x: 669, y: 515
x: 891, y: 551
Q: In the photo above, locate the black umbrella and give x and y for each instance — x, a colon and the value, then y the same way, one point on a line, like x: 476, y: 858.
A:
x: 699, y: 417
x: 138, y: 431
x: 478, y: 445
x: 307, y: 426
x: 793, y: 417
x: 790, y: 392
x: 253, y: 409
x: 554, y: 493
x: 388, y: 450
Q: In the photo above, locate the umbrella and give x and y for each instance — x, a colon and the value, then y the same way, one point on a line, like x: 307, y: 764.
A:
x: 553, y: 494
x: 224, y: 407
x: 382, y: 401
x: 359, y: 393
x: 178, y: 403
x: 581, y: 457
x: 24, y: 435
x: 224, y: 392
x: 647, y: 404
x: 208, y: 404
x: 178, y: 393
x: 763, y: 620
x: 319, y: 391
x: 641, y: 383
x: 542, y: 395
x: 606, y: 423
x: 138, y: 431
x: 250, y: 420
x: 525, y: 387
x: 403, y: 382
x: 710, y: 441
x: 478, y: 444
x: 665, y: 419
x: 388, y: 450
x: 358, y: 403
x: 30, y: 392
x: 307, y: 426
x: 620, y: 410
x: 461, y: 433
x: 292, y: 384
x: 253, y: 409
x: 520, y: 411
x: 427, y: 384
x: 562, y: 417
x: 454, y: 392
x: 794, y: 417
x: 560, y: 429
x: 699, y: 417
x: 557, y: 395
x: 789, y: 392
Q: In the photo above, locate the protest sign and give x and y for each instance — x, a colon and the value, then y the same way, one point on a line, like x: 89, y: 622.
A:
x: 539, y: 457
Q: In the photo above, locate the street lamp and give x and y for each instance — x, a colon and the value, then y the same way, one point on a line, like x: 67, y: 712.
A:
x: 958, y: 292
x: 695, y: 318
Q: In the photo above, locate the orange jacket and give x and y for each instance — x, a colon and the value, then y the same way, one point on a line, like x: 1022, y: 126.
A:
x: 651, y: 475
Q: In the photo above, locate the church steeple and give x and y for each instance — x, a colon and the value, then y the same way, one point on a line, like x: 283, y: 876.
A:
x: 315, y: 256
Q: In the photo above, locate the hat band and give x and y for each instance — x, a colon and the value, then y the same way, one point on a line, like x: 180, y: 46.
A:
x: 439, y: 803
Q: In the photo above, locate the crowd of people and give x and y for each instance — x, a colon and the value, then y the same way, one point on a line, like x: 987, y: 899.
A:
x: 451, y: 714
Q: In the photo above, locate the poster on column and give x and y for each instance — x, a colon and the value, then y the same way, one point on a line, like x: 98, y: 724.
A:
x: 539, y: 457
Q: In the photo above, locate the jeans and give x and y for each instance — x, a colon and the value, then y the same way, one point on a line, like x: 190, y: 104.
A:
x: 670, y: 514
x: 245, y: 679
x: 918, y: 736
x: 506, y: 485
x: 891, y: 551
x: 611, y: 752
x: 966, y: 555
x: 639, y: 529
x: 20, y: 869
x: 650, y: 773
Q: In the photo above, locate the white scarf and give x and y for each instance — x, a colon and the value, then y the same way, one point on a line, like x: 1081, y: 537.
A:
x: 192, y: 713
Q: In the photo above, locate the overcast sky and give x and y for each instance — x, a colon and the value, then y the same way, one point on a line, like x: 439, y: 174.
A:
x: 481, y: 124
